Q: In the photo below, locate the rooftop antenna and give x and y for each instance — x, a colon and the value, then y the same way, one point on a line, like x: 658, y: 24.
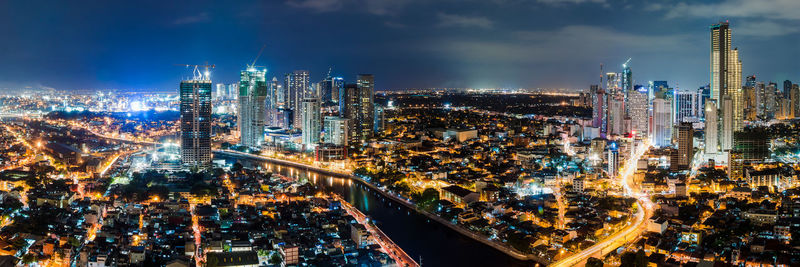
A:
x: 626, y: 62
x: 329, y: 71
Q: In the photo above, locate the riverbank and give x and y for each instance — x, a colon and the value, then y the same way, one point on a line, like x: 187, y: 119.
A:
x: 397, y: 199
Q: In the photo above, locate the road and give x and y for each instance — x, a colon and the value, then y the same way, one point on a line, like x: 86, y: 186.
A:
x: 634, y: 228
x: 378, y: 236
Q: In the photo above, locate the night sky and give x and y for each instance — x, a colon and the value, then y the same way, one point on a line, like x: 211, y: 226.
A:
x: 405, y: 43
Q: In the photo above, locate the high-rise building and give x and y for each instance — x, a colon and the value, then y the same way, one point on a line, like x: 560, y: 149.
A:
x: 357, y: 104
x: 787, y: 87
x: 685, y: 136
x: 195, y: 109
x: 658, y: 88
x: 627, y: 78
x: 599, y: 108
x: 613, y: 160
x: 366, y: 88
x: 771, y: 100
x: 272, y: 105
x: 705, y: 93
x: 761, y: 100
x: 726, y: 83
x: 380, y: 118
x: 712, y: 127
x: 794, y: 100
x: 686, y: 106
x: 312, y: 125
x: 749, y: 102
x: 220, y: 92
x: 662, y: 122
x: 233, y: 91
x: 298, y: 87
x: 336, y: 130
x: 616, y: 114
x: 726, y: 129
x: 613, y: 81
x: 329, y: 89
x: 252, y: 106
x: 639, y: 109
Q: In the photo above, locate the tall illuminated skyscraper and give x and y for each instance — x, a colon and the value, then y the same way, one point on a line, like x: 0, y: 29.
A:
x: 662, y: 122
x: 638, y: 108
x: 221, y: 91
x: 627, y: 77
x: 712, y: 127
x: 366, y: 89
x: 357, y: 103
x: 195, y: 109
x: 686, y: 106
x: 329, y: 89
x: 726, y: 83
x: 298, y: 87
x: 233, y: 91
x: 599, y: 108
x: 252, y: 106
x: 312, y: 124
x: 336, y: 130
x: 685, y: 137
x: 616, y: 114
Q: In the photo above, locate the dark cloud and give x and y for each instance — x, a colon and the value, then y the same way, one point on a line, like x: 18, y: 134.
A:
x: 405, y: 43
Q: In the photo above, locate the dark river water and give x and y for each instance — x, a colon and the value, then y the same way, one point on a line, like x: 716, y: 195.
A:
x: 426, y: 241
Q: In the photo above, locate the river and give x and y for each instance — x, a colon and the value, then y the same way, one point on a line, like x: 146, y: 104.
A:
x: 428, y: 242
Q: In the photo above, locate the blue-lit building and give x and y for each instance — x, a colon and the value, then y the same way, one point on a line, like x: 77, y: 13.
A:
x: 195, y: 109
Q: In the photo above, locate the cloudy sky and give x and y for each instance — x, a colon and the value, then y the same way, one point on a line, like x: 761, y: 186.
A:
x: 405, y: 43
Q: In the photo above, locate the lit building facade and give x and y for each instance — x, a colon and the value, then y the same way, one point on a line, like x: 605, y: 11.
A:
x: 195, y: 110
x: 252, y: 106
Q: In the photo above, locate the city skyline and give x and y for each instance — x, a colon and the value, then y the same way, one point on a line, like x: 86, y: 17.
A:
x: 522, y: 44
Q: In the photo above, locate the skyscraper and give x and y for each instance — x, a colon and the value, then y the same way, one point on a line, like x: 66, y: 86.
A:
x: 273, y: 103
x: 233, y: 91
x: 252, y: 106
x: 613, y: 81
x: 794, y: 100
x: 726, y: 83
x: 686, y: 106
x: 662, y: 122
x: 712, y: 127
x: 727, y: 125
x: 336, y: 130
x: 298, y: 87
x: 638, y: 108
x: 613, y: 160
x: 616, y: 114
x: 685, y: 136
x: 771, y: 100
x: 329, y: 89
x: 366, y: 88
x: 599, y: 108
x: 787, y: 87
x: 357, y: 104
x: 221, y: 91
x: 312, y: 125
x: 627, y: 78
x: 195, y: 109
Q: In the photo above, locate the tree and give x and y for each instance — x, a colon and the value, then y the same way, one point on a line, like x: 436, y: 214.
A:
x: 237, y: 167
x: 428, y: 198
x: 275, y: 258
x: 28, y: 259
